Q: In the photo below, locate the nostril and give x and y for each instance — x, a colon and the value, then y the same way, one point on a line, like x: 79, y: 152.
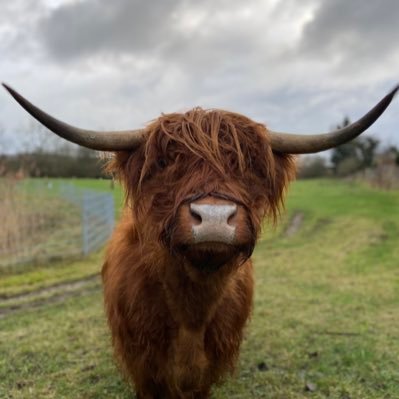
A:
x: 231, y: 217
x: 196, y: 216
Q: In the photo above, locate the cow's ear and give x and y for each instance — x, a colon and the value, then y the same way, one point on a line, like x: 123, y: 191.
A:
x: 116, y: 163
x: 285, y: 169
x: 126, y: 167
x: 284, y: 173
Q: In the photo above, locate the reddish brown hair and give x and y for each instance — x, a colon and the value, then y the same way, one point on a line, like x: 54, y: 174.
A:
x: 202, y: 151
x: 174, y: 332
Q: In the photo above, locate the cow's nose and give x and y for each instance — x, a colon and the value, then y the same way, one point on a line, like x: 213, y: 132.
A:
x: 211, y: 223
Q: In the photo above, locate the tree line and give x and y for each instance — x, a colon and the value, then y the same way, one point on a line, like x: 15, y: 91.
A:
x: 45, y: 155
x: 84, y: 163
x: 41, y: 154
x: 355, y: 156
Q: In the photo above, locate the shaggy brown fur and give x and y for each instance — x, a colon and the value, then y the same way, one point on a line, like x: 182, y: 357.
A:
x: 177, y: 330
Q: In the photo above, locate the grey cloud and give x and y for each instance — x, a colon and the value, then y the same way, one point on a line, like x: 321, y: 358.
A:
x: 18, y: 24
x: 145, y: 29
x: 354, y: 30
x: 100, y: 26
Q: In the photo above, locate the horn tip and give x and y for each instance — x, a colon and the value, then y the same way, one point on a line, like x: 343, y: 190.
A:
x: 8, y: 88
x: 389, y: 97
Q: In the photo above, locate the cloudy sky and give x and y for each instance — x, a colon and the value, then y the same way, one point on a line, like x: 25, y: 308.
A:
x: 296, y: 65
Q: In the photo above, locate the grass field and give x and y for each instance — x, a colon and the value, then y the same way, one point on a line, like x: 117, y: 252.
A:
x: 325, y: 323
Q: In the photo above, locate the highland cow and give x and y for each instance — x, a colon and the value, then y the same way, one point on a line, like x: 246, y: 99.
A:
x: 178, y: 280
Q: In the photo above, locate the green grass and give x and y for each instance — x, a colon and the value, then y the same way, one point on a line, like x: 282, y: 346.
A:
x: 38, y: 277
x: 325, y: 317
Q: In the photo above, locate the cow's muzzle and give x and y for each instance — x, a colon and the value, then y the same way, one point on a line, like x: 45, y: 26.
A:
x: 213, y: 223
x: 212, y: 231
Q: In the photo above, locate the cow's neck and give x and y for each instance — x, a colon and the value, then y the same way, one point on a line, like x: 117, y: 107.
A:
x: 192, y: 297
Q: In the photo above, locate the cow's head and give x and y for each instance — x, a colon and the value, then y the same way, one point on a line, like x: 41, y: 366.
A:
x: 202, y: 181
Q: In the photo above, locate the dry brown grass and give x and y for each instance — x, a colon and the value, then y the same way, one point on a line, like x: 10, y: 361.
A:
x: 30, y: 220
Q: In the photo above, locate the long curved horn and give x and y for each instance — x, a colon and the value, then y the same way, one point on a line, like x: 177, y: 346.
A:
x: 306, y: 144
x: 103, y: 141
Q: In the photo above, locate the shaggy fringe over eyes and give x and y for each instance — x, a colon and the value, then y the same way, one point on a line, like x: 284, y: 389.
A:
x: 231, y: 145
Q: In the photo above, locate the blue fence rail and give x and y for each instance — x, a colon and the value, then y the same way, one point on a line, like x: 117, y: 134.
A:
x: 42, y: 222
x: 98, y: 219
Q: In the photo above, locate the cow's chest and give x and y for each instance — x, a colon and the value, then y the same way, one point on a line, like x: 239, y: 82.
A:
x: 189, y: 364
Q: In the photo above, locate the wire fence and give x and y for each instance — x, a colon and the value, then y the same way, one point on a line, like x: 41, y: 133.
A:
x: 41, y: 222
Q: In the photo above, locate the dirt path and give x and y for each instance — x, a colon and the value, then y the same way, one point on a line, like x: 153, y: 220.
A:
x: 55, y: 293
x: 294, y: 224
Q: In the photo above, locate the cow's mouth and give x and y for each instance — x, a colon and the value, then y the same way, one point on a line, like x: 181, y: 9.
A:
x: 211, y: 256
